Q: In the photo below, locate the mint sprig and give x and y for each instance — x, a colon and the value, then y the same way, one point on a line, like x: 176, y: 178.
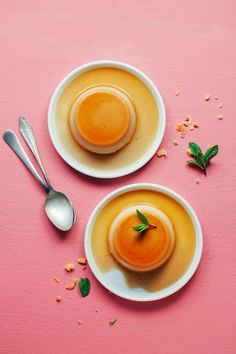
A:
x: 201, y: 160
x: 141, y: 228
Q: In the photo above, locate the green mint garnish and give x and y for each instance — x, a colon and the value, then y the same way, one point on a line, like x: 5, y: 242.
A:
x: 84, y: 286
x: 141, y: 228
x: 201, y: 160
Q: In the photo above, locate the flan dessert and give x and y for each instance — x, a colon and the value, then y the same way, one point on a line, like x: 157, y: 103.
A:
x: 102, y: 119
x: 141, y: 250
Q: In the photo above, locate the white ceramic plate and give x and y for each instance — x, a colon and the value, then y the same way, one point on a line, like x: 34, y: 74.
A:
x: 102, y: 173
x: 114, y: 280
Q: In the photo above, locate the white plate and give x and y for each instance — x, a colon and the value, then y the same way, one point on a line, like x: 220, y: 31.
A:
x: 114, y: 280
x: 83, y: 167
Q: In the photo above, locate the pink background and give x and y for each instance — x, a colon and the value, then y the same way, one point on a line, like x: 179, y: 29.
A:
x: 182, y: 45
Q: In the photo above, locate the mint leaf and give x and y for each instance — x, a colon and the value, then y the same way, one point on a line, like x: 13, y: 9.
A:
x: 142, y: 217
x: 195, y: 149
x: 84, y: 286
x: 140, y: 227
x: 210, y: 153
x: 196, y: 164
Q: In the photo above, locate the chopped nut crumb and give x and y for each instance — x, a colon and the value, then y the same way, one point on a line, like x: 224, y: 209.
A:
x: 197, y: 181
x: 82, y: 260
x: 189, y: 152
x: 58, y: 298
x: 112, y: 322
x: 216, y: 98
x: 207, y: 97
x: 220, y: 117
x: 79, y: 322
x: 84, y: 267
x: 177, y: 93
x: 191, y: 127
x: 161, y: 152
x: 57, y: 280
x: 196, y: 125
x: 175, y: 142
x: 182, y: 134
x: 72, y: 284
x: 180, y: 127
x: 69, y: 267
x: 220, y: 105
x: 188, y: 118
x: 96, y: 310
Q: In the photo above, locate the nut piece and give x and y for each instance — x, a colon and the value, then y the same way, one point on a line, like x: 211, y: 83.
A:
x: 175, y: 142
x: 69, y: 267
x: 180, y: 127
x: 84, y: 267
x: 57, y: 280
x: 189, y: 152
x: 112, y: 322
x: 79, y: 322
x: 72, y: 284
x: 197, y: 181
x: 177, y: 93
x: 196, y: 125
x: 207, y: 97
x: 58, y: 298
x: 161, y: 152
x: 220, y: 105
x: 82, y: 260
x: 182, y: 134
x: 220, y: 117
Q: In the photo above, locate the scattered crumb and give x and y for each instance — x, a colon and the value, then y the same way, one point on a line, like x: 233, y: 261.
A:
x: 177, y: 93
x: 82, y: 260
x: 79, y: 322
x: 189, y: 152
x: 175, y: 142
x: 58, y: 298
x: 207, y: 97
x: 196, y: 125
x: 161, y: 152
x: 96, y: 310
x: 84, y: 267
x: 72, y: 284
x: 197, y: 181
x: 57, y: 280
x: 191, y: 127
x: 220, y: 105
x: 112, y: 322
x: 180, y: 127
x: 182, y: 134
x: 220, y: 117
x: 69, y: 267
x: 216, y: 98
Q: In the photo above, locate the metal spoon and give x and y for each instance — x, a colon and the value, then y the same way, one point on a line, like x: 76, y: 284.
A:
x: 57, y: 206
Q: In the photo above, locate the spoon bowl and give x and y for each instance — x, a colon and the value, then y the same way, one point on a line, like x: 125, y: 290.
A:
x: 59, y: 210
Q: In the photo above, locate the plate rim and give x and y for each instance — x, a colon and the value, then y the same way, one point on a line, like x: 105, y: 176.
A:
x: 198, y: 250
x: 143, y: 160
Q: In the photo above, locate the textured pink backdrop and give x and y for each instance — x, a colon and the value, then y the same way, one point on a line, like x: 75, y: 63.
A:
x: 182, y: 45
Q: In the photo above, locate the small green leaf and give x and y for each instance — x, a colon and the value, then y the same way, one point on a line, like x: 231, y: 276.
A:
x: 140, y: 227
x: 84, y: 286
x: 142, y: 217
x: 195, y: 164
x: 200, y: 159
x: 210, y: 153
x: 195, y: 149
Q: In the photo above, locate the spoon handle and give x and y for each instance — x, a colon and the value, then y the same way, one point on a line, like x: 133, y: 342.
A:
x: 11, y: 139
x: 28, y: 134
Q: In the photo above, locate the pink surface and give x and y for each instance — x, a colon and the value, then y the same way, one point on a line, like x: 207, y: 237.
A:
x: 182, y: 45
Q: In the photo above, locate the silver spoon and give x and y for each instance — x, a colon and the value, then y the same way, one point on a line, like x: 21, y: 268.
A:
x: 57, y: 206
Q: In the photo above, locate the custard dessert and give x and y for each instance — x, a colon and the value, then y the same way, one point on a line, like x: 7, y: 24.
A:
x: 102, y: 119
x: 141, y: 244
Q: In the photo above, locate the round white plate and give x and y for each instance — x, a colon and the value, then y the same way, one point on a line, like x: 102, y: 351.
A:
x: 102, y: 173
x: 114, y: 280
